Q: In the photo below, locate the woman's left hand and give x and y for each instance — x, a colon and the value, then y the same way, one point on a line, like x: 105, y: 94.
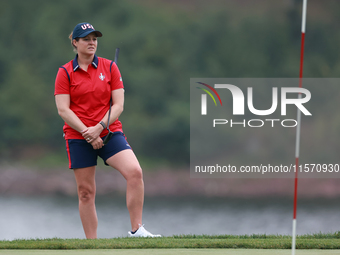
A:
x: 92, y: 133
x: 97, y: 143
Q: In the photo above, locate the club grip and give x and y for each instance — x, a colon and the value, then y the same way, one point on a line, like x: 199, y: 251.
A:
x: 108, y: 138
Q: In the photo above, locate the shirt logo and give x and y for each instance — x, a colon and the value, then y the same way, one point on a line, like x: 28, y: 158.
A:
x: 101, y: 76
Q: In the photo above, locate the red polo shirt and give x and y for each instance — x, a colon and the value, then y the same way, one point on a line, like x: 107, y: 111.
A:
x: 90, y: 92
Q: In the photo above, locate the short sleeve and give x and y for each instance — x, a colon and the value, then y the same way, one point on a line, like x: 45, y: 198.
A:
x: 116, y: 78
x: 62, y: 83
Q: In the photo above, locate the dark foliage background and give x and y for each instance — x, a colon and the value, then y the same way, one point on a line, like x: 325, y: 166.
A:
x: 163, y: 44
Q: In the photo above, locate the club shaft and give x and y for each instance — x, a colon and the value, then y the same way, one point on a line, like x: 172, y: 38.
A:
x: 116, y: 55
x: 109, y: 135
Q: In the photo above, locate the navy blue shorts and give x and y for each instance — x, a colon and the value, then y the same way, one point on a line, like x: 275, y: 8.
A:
x: 81, y: 153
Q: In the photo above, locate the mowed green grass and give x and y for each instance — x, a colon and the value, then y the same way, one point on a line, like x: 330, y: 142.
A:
x: 314, y: 241
x: 318, y: 244
x: 170, y: 252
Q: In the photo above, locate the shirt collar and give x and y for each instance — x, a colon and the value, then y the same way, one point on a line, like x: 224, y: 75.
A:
x: 76, y: 66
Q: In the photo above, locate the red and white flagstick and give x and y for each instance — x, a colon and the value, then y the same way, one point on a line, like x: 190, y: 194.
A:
x: 297, y: 144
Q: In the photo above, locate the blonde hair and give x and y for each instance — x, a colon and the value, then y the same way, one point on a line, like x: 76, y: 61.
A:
x: 77, y: 39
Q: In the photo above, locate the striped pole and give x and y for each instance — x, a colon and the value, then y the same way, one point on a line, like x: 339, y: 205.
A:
x: 297, y: 144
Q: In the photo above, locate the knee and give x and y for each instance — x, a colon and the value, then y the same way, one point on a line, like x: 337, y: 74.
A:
x: 136, y: 173
x: 86, y: 194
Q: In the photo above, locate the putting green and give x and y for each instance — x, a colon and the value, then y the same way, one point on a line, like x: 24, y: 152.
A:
x: 170, y: 252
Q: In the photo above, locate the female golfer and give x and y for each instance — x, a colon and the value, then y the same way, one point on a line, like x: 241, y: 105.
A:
x: 83, y: 90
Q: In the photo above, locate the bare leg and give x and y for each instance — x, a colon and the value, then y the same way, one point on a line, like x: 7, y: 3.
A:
x: 86, y: 186
x: 127, y: 164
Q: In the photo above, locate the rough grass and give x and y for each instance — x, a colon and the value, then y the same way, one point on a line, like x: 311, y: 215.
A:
x: 256, y: 241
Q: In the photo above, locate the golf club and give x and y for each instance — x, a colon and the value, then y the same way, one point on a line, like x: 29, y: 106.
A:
x: 110, y: 134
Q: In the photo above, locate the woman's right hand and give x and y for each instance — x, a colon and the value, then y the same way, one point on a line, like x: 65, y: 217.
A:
x: 91, y: 133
